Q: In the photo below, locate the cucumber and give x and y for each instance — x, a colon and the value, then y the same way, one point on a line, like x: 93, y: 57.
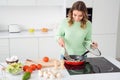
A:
x: 26, y: 76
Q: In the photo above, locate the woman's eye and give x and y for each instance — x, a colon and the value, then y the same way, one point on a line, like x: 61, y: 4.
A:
x: 80, y: 15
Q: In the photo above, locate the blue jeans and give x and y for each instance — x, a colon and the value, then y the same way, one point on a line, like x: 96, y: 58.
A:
x: 61, y: 56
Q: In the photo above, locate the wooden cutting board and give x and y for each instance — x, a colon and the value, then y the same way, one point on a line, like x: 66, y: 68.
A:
x: 50, y: 63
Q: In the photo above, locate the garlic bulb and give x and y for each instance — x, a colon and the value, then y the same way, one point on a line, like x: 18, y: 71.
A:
x: 52, y: 76
x: 59, y: 75
x: 40, y: 73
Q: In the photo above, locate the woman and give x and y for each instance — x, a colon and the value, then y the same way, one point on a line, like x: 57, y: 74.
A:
x: 75, y: 31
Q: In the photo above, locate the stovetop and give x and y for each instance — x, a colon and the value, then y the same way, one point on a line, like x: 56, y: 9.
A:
x: 92, y: 66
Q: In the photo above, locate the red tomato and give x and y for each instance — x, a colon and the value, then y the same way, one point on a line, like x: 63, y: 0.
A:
x: 29, y: 70
x: 46, y: 59
x: 25, y: 67
x: 39, y: 66
x: 33, y: 66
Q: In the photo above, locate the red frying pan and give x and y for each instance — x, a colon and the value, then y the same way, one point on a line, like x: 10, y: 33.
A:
x: 80, y: 59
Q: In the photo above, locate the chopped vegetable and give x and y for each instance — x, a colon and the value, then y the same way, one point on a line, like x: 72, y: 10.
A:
x: 46, y: 59
x: 26, y: 76
x: 25, y: 67
x: 14, y: 68
x: 39, y: 66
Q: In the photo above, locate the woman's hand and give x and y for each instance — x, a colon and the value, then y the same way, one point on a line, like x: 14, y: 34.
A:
x: 94, y: 45
x: 61, y: 42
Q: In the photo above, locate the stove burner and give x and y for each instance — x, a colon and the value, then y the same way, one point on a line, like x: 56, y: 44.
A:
x: 111, y: 69
x: 82, y: 69
x: 96, y: 69
x: 92, y: 65
x: 107, y: 68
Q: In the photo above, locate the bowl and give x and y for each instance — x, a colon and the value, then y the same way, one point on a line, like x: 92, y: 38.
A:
x: 17, y: 73
x: 12, y: 59
x: 14, y: 68
x: 10, y: 62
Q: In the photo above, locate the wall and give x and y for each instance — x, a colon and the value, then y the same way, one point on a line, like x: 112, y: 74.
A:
x: 118, y: 36
x: 30, y: 16
x: 105, y: 16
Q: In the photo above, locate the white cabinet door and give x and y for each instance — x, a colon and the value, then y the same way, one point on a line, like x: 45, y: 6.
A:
x: 50, y: 2
x: 3, y: 2
x: 105, y: 16
x: 24, y: 48
x: 107, y: 45
x: 21, y: 2
x: 48, y: 46
x: 4, y: 49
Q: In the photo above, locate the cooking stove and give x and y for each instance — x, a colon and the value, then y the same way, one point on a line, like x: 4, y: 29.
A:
x: 92, y: 66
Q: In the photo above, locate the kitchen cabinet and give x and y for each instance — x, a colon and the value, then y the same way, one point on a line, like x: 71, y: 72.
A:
x: 103, y: 20
x: 48, y: 46
x: 49, y: 2
x: 31, y: 2
x: 4, y: 49
x: 24, y: 48
x: 106, y: 44
x: 21, y: 2
x: 34, y: 48
x: 3, y: 2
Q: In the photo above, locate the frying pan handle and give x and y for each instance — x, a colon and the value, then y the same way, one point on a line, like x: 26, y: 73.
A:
x: 85, y: 53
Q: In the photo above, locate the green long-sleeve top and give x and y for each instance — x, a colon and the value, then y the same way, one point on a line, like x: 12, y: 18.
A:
x: 75, y: 37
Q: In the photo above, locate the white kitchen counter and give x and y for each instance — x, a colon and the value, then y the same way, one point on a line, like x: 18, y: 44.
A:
x: 97, y: 76
x: 5, y: 34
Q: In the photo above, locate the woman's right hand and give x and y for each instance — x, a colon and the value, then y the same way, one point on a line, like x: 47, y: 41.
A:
x: 61, y: 42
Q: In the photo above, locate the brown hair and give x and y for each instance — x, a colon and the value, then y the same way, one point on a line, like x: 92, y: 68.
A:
x: 80, y: 6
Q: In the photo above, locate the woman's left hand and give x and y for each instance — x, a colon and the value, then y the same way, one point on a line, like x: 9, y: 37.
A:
x: 94, y: 45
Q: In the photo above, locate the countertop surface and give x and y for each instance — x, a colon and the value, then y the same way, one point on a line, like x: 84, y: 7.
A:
x: 66, y: 76
x: 6, y: 34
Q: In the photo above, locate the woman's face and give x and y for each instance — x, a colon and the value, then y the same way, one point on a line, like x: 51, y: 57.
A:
x: 77, y: 15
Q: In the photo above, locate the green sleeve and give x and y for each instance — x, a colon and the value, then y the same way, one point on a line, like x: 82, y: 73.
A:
x: 60, y: 31
x: 88, y: 37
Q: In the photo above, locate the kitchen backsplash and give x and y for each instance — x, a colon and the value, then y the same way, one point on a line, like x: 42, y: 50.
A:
x: 30, y: 17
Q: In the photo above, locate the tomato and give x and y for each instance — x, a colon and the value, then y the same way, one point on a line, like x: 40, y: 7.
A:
x: 46, y: 59
x: 33, y: 66
x: 29, y: 70
x: 39, y: 66
x: 25, y: 67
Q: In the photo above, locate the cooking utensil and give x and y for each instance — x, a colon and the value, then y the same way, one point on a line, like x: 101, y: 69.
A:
x: 94, y: 51
x: 67, y: 57
x: 77, y: 59
x: 50, y: 63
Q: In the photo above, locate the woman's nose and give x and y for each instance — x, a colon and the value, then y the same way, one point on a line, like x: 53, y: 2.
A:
x: 77, y: 18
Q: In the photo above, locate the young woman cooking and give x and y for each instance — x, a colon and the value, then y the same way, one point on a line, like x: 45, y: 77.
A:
x: 75, y: 31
